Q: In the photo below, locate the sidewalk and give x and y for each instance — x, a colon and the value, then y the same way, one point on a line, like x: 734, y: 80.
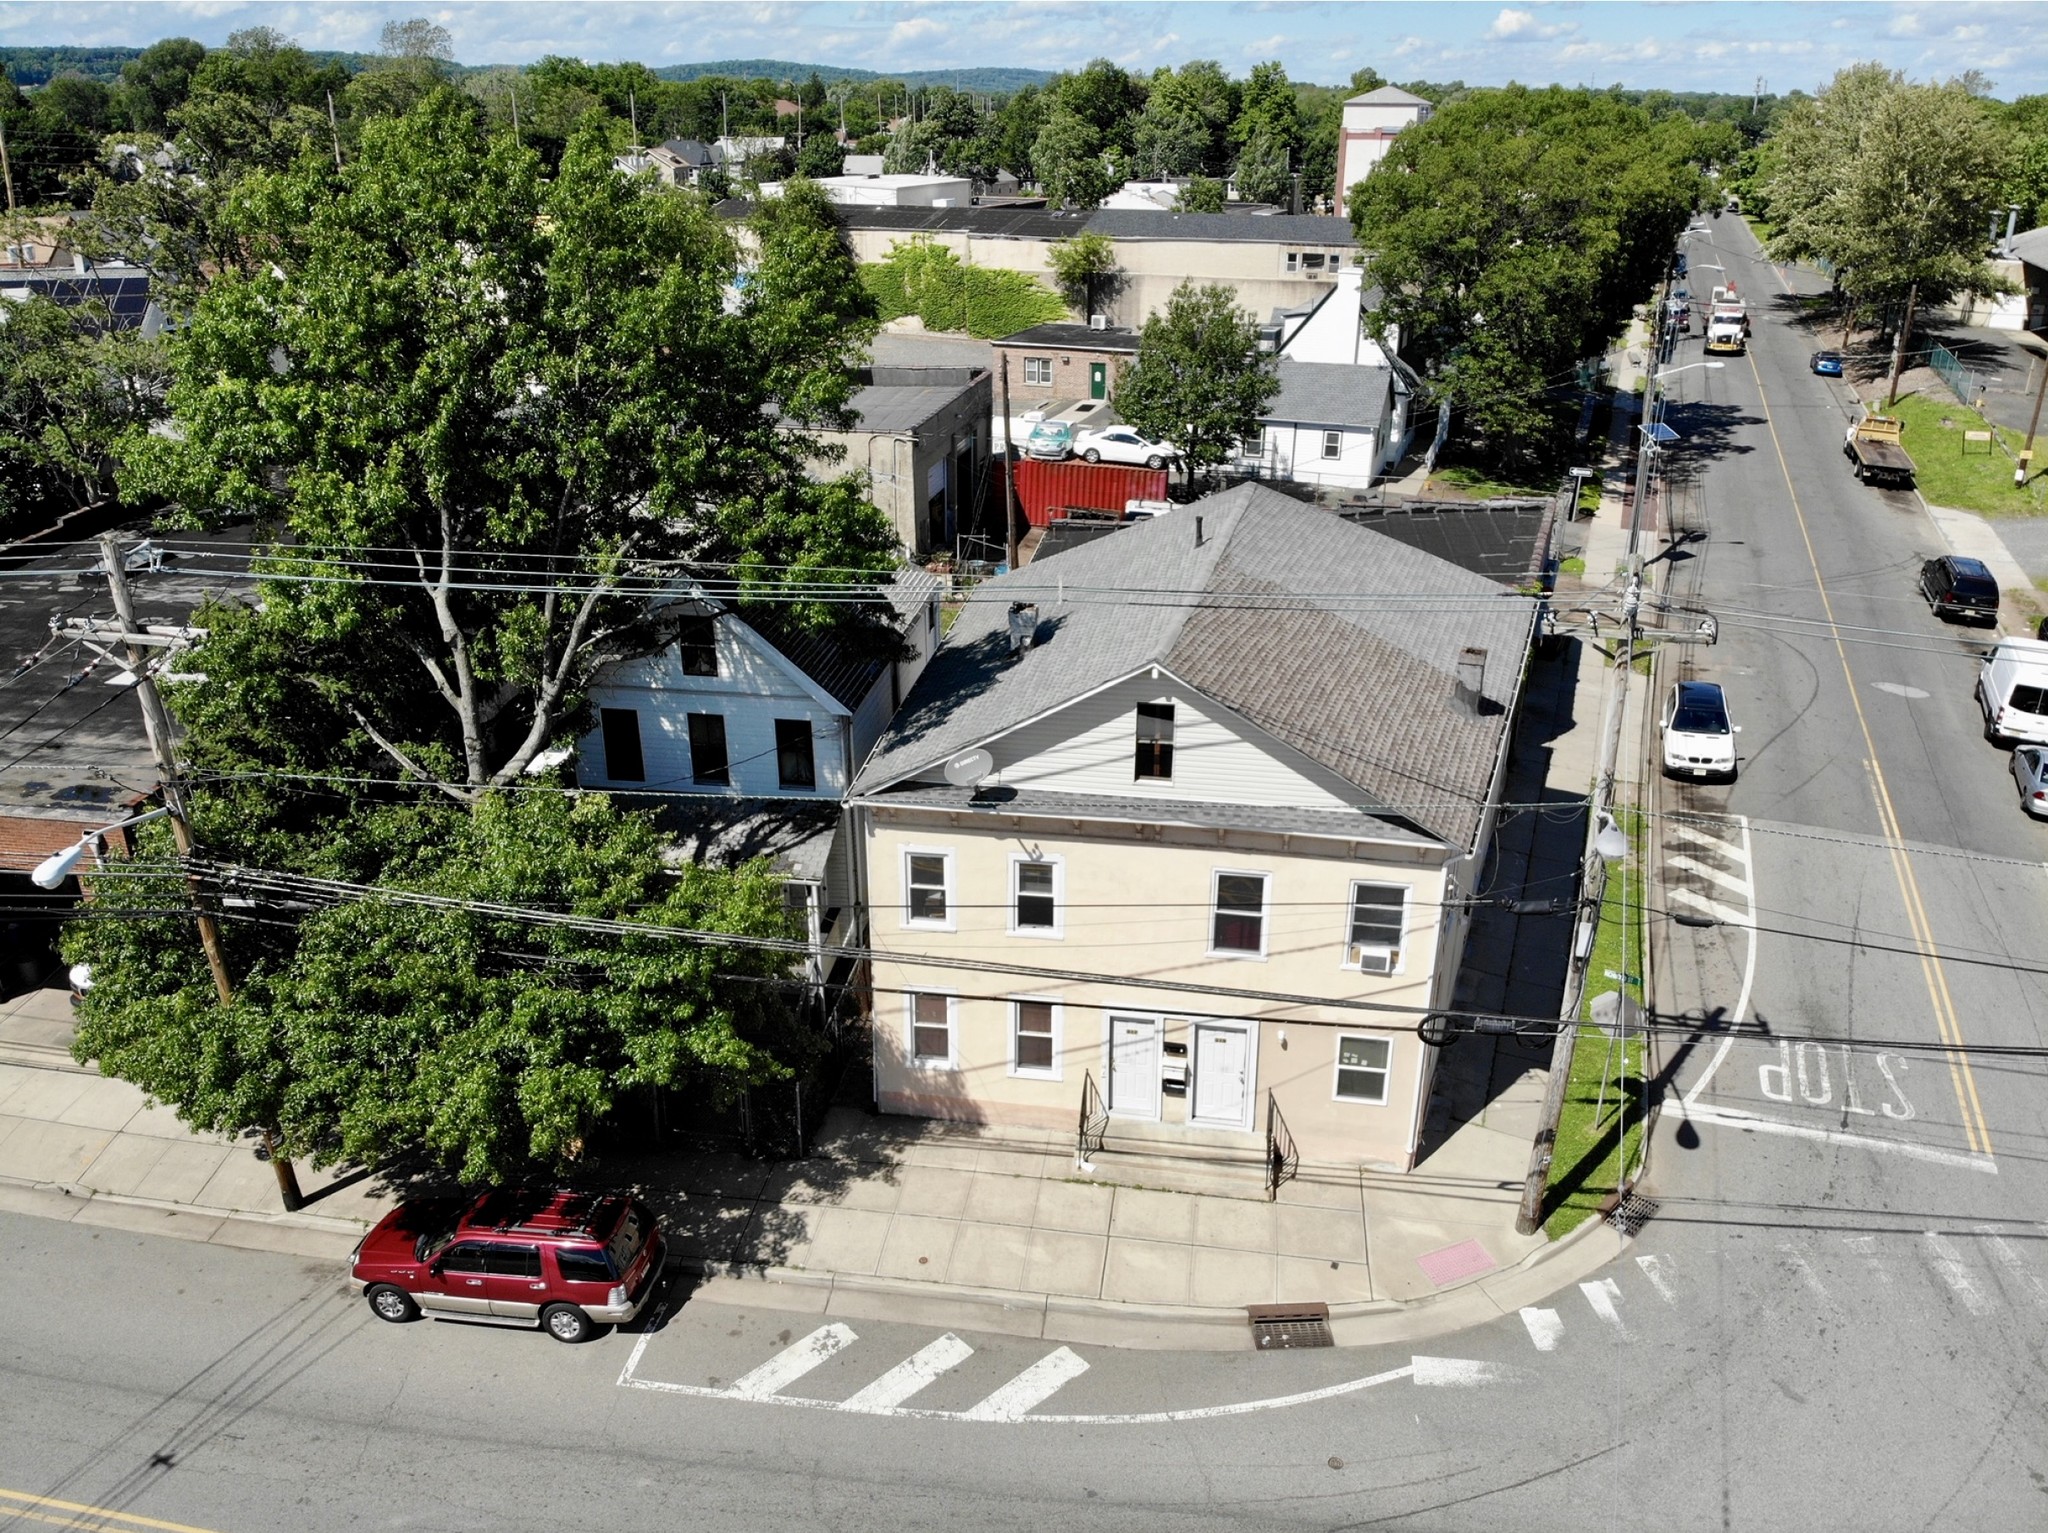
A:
x: 893, y: 1218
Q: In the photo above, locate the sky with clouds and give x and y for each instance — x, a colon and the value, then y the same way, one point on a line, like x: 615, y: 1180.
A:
x: 1680, y: 45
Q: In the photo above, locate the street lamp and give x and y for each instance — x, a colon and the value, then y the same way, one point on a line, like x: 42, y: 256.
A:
x: 55, y: 868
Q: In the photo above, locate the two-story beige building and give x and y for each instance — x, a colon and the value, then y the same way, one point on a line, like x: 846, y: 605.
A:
x: 1183, y: 825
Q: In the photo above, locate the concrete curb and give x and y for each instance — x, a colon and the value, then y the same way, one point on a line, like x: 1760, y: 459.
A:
x: 1175, y: 1327
x: 297, y: 1234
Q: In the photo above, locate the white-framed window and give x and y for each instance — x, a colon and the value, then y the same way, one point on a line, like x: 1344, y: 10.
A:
x: 1035, y: 1037
x: 1294, y: 260
x: 1037, y: 895
x: 1333, y: 444
x: 930, y: 1028
x: 1237, y: 920
x: 1378, y: 922
x: 1362, y: 1068
x: 1038, y: 370
x: 1254, y: 446
x: 1155, y: 741
x: 928, y: 888
x: 1312, y: 261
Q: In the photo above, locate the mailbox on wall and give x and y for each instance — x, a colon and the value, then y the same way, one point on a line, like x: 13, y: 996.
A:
x: 1173, y: 1070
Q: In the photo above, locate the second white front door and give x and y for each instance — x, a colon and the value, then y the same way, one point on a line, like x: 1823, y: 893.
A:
x: 1134, y: 1067
x: 1223, y: 1077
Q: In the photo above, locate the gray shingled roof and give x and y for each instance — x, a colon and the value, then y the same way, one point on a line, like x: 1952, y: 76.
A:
x: 1340, y: 642
x: 1330, y: 394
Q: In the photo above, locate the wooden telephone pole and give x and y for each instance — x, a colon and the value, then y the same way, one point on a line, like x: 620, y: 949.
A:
x: 156, y: 723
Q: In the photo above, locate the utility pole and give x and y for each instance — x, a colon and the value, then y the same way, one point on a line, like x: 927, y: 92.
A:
x: 334, y: 130
x: 633, y: 115
x: 2019, y: 473
x: 1756, y: 96
x: 156, y: 723
x: 1899, y: 346
x: 1009, y: 474
x: 515, y: 113
x: 6, y: 170
x: 1530, y: 1216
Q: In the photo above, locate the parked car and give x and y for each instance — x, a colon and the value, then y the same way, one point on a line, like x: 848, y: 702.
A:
x: 2030, y: 771
x: 2012, y: 692
x: 1122, y: 444
x: 1051, y: 440
x: 564, y: 1262
x: 1698, y: 739
x: 1960, y: 590
x: 1827, y: 363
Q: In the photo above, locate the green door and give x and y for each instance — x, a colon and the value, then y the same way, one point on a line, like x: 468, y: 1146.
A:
x: 1098, y: 380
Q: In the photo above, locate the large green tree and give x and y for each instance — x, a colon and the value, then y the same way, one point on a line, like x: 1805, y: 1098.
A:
x: 489, y: 411
x: 1199, y: 380
x: 1892, y: 184
x: 1512, y: 234
x: 1185, y: 127
x: 498, y: 378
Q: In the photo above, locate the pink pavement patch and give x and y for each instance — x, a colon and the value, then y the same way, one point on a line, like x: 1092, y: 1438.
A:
x: 1466, y: 1259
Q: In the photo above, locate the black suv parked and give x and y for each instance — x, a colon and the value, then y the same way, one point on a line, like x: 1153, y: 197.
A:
x: 1960, y: 590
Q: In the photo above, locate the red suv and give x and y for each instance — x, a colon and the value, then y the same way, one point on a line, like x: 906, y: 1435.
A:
x: 564, y: 1261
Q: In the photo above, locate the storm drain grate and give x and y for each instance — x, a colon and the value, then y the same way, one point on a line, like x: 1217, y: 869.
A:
x: 1632, y: 1213
x: 1283, y: 1327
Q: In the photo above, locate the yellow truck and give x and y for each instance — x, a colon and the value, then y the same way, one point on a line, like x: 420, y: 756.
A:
x: 1873, y: 450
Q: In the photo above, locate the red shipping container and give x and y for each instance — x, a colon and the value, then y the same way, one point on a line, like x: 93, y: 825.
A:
x: 1045, y: 489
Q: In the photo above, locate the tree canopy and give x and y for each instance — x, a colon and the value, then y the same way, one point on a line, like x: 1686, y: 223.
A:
x: 1891, y: 183
x: 1512, y: 234
x: 1199, y: 379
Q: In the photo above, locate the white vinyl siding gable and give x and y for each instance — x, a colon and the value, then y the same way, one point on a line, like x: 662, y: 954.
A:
x: 755, y: 686
x: 1091, y: 747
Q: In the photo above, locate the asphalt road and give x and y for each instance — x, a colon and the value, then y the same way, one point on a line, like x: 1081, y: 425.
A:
x: 1835, y: 1319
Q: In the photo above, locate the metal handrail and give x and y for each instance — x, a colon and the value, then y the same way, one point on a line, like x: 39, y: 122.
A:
x: 1094, y: 1123
x: 1282, y: 1158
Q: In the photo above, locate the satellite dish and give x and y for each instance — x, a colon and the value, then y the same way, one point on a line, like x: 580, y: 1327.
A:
x: 965, y: 771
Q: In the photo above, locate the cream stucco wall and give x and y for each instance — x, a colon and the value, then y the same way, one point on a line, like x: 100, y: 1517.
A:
x: 1136, y: 901
x: 1152, y: 269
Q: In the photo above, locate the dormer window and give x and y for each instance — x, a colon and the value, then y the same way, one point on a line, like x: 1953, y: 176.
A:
x: 1155, y: 740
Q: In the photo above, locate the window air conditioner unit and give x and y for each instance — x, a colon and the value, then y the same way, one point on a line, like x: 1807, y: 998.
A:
x: 1375, y: 960
x: 1098, y: 322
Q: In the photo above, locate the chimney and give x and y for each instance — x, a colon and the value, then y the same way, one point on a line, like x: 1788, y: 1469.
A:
x: 1470, y: 687
x: 1198, y: 532
x: 1023, y: 625
x: 2012, y: 219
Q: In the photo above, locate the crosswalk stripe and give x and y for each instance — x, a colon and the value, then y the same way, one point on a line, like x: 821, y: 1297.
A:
x: 1653, y: 1269
x: 911, y: 1375
x: 1715, y: 844
x: 1948, y: 1261
x: 1035, y: 1385
x: 1451, y: 1372
x: 1601, y: 1295
x: 1726, y: 914
x: 793, y: 1362
x: 1545, y: 1329
x: 2016, y: 1268
x: 1726, y: 880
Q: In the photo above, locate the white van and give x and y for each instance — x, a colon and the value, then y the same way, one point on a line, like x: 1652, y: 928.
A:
x: 2012, y: 691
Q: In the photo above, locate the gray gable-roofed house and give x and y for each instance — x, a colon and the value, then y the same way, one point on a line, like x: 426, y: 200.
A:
x: 1243, y: 744
x: 1333, y: 425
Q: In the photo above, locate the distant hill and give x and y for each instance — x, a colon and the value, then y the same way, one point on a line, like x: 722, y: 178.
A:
x: 998, y: 80
x: 30, y: 67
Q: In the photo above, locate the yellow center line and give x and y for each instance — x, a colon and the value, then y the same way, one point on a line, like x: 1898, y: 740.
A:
x: 1946, y: 1021
x: 43, y: 1508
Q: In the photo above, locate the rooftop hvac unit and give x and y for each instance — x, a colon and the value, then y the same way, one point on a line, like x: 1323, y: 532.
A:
x: 1098, y: 322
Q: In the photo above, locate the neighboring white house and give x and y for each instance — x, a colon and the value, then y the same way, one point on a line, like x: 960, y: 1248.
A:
x: 1149, y: 196
x: 1108, y: 836
x: 752, y: 707
x: 1371, y: 123
x: 891, y: 191
x: 1333, y: 424
x: 1342, y: 416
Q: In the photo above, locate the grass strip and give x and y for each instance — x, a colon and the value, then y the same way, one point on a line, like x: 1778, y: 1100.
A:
x: 1965, y: 475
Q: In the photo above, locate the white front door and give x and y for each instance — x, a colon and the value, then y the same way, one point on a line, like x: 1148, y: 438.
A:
x: 1134, y: 1067
x: 1223, y: 1076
